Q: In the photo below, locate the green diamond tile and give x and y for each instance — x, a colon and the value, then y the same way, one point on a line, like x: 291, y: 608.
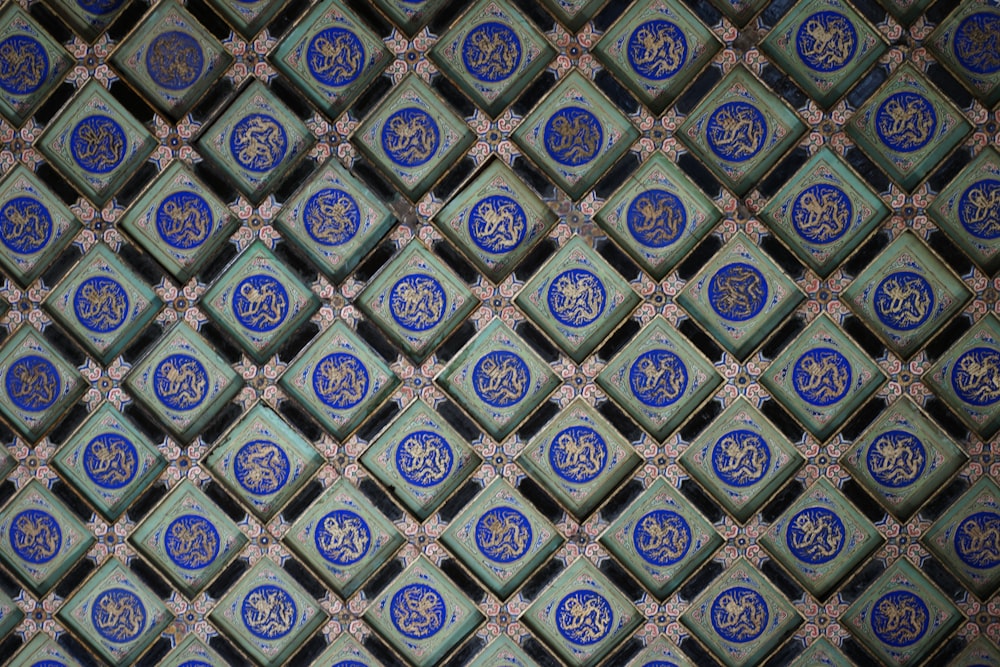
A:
x: 965, y: 43
x: 905, y: 11
x: 410, y: 15
x: 661, y: 652
x: 501, y: 538
x: 573, y: 13
x: 34, y: 64
x: 822, y: 377
x: 740, y: 11
x: 191, y: 652
x: 498, y: 379
x: 263, y: 461
x: 821, y: 653
x: 183, y: 382
x: 582, y: 616
x: 661, y: 538
x: 347, y: 651
x: 10, y: 614
x: 740, y: 296
x: 659, y: 378
x: 903, y: 458
x: 901, y: 617
x: 343, y: 538
x: 116, y: 614
x: 575, y: 134
x: 247, y: 17
x: 825, y: 212
x: 256, y: 141
x: 103, y: 303
x: 579, y: 457
x: 980, y: 651
x: 422, y: 614
x: 658, y: 215
x: 503, y: 652
x: 95, y: 143
x: 89, y: 18
x: 740, y: 130
x: 421, y: 459
x: 413, y: 137
x: 43, y: 651
x: 907, y: 128
x: 339, y: 380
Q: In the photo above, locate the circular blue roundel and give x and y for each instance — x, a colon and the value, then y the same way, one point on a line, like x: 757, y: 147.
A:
x: 976, y: 540
x: 110, y: 461
x: 194, y: 663
x: 975, y: 376
x: 260, y: 302
x: 98, y: 144
x: 491, y: 51
x: 737, y: 292
x: 739, y: 614
x: 899, y: 618
x: 736, y: 131
x: 656, y: 218
x: 118, y: 615
x: 815, y: 535
x: 976, y: 43
x: 35, y: 536
x: 340, y: 380
x: 25, y: 225
x: 501, y: 378
x: 821, y: 376
x: 349, y: 663
x: 576, y: 298
x: 660, y: 663
x: 741, y: 458
x: 497, y: 224
x: 331, y: 217
x: 418, y: 611
x: 261, y: 467
x: 258, y: 142
x: 335, y: 57
x: 905, y: 121
x: 424, y: 458
x: 822, y: 213
x: 101, y: 304
x: 24, y: 64
x: 99, y: 6
x: 573, y: 136
x: 417, y: 302
x: 658, y: 378
x: 903, y: 300
x: 342, y: 537
x: 174, y: 60
x: 657, y: 49
x: 578, y: 454
x: 661, y: 537
x: 56, y: 663
x: 32, y: 383
x: 979, y: 209
x: 269, y: 612
x: 410, y: 137
x: 584, y: 617
x: 184, y: 220
x: 826, y: 41
x: 191, y: 542
x: 896, y: 459
x: 503, y: 534
x: 180, y: 382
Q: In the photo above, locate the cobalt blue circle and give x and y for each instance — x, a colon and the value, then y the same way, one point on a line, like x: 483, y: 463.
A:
x: 656, y: 218
x: 497, y: 224
x: 660, y: 663
x: 261, y: 467
x: 410, y: 137
x: 905, y: 121
x: 658, y: 378
x: 501, y: 378
x: 24, y: 64
x: 331, y: 217
x: 184, y: 220
x: 174, y: 60
x: 903, y: 300
x: 25, y: 225
x: 739, y: 614
x: 826, y: 41
x: 662, y: 537
x: 976, y: 43
x: 741, y: 458
x: 578, y: 454
x: 342, y: 537
x: 573, y: 136
x: 349, y: 663
x: 417, y: 302
x: 194, y: 663
x: 657, y: 49
x: 98, y: 144
x: 576, y: 298
x: 979, y: 209
x: 56, y: 663
x: 736, y: 131
x: 258, y: 142
x: 821, y: 376
x: 180, y: 382
x: 118, y: 615
x: 191, y: 542
x: 35, y: 536
x: 99, y: 6
x: 899, y: 618
x: 822, y: 213
x: 737, y: 292
x: 896, y: 459
x: 110, y: 461
x: 503, y: 534
x: 424, y: 458
x: 260, y: 302
x: 101, y: 304
x: 975, y: 376
x: 815, y: 535
x: 418, y: 611
x: 269, y: 612
x: 491, y: 51
x: 340, y: 380
x: 584, y: 617
x: 976, y: 540
x: 32, y: 383
x: 335, y: 57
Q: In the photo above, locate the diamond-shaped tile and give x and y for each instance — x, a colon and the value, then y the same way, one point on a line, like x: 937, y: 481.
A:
x: 43, y: 651
x: 821, y: 653
x: 33, y: 64
x: 573, y: 13
x: 347, y: 651
x: 503, y: 652
x: 980, y: 651
x: 247, y: 17
x: 739, y: 11
x: 192, y: 652
x: 410, y: 15
x: 661, y: 652
x: 965, y: 43
x: 88, y: 17
x: 905, y: 11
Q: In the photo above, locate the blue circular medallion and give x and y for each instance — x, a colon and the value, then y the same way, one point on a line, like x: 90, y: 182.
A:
x: 99, y: 7
x: 35, y: 536
x: 184, y: 220
x: 331, y: 217
x: 261, y: 467
x: 269, y: 612
x: 584, y: 617
x: 578, y: 454
x: 976, y: 43
x: 739, y: 614
x: 260, y: 302
x: 340, y: 380
x: 660, y: 663
x: 56, y: 663
x: 657, y: 49
x: 501, y: 378
x: 191, y: 542
x: 98, y: 144
x: 194, y: 663
x: 573, y: 136
x: 24, y: 64
x: 975, y: 376
x: 656, y: 218
x: 896, y: 459
x: 821, y: 376
x: 25, y: 225
x: 576, y: 298
x: 491, y: 51
x: 736, y: 131
x: 174, y: 60
x: 118, y: 615
x: 979, y: 209
x: 826, y: 41
x: 410, y: 137
x: 497, y: 224
x: 258, y: 142
x: 342, y: 537
x: 822, y: 213
x: 662, y: 537
x: 741, y: 458
x: 180, y: 382
x: 737, y: 292
x: 110, y: 461
x: 335, y: 57
x: 977, y: 540
x: 903, y: 300
x: 101, y: 304
x: 418, y: 611
x: 417, y: 302
x: 349, y: 663
x: 815, y: 535
x: 424, y: 458
x: 905, y: 121
x: 658, y: 378
x: 899, y: 618
x: 32, y: 383
x: 503, y: 534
